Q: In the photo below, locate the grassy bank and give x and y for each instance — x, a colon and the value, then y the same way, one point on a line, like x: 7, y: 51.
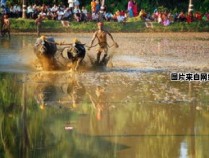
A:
x: 28, y: 25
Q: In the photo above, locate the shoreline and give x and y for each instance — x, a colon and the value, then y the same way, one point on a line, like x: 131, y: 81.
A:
x: 64, y: 33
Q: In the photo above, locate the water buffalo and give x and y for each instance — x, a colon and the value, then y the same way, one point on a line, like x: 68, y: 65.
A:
x: 74, y: 54
x: 45, y: 49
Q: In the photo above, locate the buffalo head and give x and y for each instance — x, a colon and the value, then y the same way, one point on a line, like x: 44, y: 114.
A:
x: 45, y: 49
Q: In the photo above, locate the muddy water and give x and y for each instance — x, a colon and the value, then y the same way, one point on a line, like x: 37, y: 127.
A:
x: 131, y: 109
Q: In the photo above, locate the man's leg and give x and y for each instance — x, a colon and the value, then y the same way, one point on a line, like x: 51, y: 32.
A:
x: 98, y: 56
x: 38, y: 30
x: 105, y: 56
x: 103, y: 59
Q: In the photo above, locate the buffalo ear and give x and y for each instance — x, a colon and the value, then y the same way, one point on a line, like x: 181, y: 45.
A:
x: 43, y: 42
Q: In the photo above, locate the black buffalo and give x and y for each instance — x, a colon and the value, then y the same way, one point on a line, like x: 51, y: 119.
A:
x: 74, y: 54
x: 45, y: 50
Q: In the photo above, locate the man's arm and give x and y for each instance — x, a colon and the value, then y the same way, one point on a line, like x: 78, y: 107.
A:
x: 110, y: 36
x: 115, y: 43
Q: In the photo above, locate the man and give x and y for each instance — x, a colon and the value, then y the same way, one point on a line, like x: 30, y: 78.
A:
x: 38, y: 22
x: 3, y: 2
x: 5, y: 25
x: 101, y: 36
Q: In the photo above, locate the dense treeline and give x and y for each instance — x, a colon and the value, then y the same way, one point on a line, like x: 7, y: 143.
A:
x: 149, y: 5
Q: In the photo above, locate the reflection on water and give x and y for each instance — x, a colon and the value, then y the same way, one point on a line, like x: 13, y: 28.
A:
x: 16, y: 54
x: 111, y: 114
x: 121, y: 113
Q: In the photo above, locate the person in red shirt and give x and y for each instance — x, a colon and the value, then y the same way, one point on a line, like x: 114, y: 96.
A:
x: 190, y: 17
x: 198, y: 16
x: 135, y: 8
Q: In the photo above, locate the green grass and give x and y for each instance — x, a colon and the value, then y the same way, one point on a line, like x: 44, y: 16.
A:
x: 133, y: 25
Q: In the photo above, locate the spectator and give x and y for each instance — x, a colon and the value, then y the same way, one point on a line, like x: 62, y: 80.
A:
x: 95, y: 16
x: 101, y: 14
x: 71, y: 3
x: 77, y: 3
x: 51, y: 16
x: 5, y: 9
x: 190, y: 17
x: 60, y: 14
x: 3, y: 3
x: 54, y: 8
x: 159, y: 18
x: 166, y: 21
x: 135, y: 8
x: 108, y: 16
x: 89, y: 17
x: 93, y: 6
x: 17, y: 10
x: 170, y: 17
x: 181, y: 17
x: 77, y: 13
x: 97, y: 6
x: 12, y: 13
x: 120, y: 17
x: 67, y: 14
x: 35, y: 11
x: 130, y: 8
x: 206, y: 17
x: 84, y: 11
x: 155, y: 15
x: 44, y: 8
x: 29, y: 11
x: 142, y: 14
x: 198, y: 16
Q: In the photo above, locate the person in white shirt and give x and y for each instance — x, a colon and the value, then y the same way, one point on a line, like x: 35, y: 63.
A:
x: 12, y: 13
x: 108, y: 16
x: 77, y: 13
x: 54, y: 8
x: 76, y: 3
x: 29, y: 11
x: 67, y: 13
x: 60, y: 14
x: 84, y: 11
x: 71, y: 3
x: 17, y: 10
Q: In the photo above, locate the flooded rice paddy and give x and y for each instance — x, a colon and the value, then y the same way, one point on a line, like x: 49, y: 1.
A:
x: 130, y: 109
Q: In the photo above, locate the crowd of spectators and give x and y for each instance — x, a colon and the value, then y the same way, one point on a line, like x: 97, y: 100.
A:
x: 74, y: 11
x: 166, y: 18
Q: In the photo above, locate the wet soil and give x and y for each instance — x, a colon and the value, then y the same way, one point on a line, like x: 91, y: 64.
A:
x: 159, y: 51
x: 137, y: 51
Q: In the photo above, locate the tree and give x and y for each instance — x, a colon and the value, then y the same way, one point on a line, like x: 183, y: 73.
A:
x: 190, y: 8
x: 24, y: 9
